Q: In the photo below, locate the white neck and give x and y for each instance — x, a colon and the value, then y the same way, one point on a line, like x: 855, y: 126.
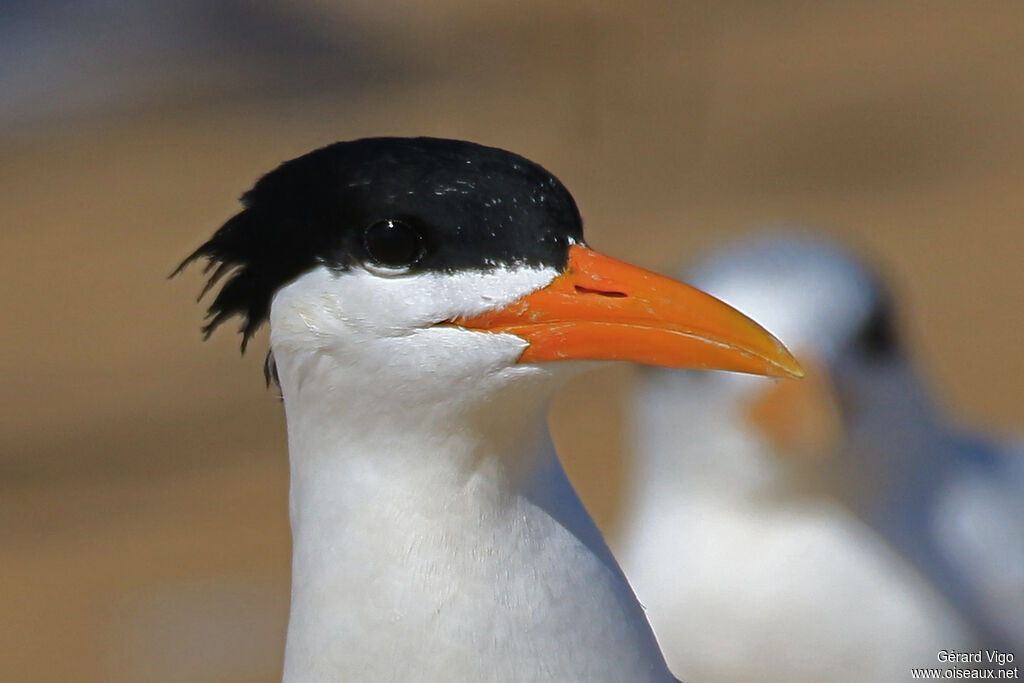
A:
x: 425, y: 549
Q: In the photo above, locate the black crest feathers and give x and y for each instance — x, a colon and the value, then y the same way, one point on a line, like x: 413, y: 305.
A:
x: 463, y: 205
x: 225, y: 252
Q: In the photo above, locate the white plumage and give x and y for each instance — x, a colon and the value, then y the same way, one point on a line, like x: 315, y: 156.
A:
x: 424, y: 546
x: 851, y: 554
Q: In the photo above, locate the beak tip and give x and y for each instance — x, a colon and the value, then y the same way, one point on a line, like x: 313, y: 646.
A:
x: 796, y: 372
x: 787, y: 366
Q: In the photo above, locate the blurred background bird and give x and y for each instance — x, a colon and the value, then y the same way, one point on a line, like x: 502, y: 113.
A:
x: 817, y: 523
x: 142, y: 489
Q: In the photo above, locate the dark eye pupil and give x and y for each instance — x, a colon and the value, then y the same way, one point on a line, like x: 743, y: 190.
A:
x: 877, y: 337
x: 393, y: 244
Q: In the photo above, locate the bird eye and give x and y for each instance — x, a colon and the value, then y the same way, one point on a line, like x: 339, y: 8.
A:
x: 393, y: 244
x: 877, y: 338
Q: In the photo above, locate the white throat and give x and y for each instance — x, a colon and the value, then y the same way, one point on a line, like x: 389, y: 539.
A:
x: 424, y: 547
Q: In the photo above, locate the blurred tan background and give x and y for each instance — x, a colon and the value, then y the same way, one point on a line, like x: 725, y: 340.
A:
x: 143, y: 474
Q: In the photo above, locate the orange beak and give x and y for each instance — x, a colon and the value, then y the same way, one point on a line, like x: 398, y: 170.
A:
x: 603, y: 309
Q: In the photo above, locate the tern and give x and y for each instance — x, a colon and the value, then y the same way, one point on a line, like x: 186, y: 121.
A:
x: 426, y: 298
x: 839, y: 527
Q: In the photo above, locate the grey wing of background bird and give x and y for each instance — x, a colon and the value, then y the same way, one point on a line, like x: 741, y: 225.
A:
x: 979, y: 527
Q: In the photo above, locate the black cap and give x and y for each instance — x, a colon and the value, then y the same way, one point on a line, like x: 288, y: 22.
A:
x: 412, y: 204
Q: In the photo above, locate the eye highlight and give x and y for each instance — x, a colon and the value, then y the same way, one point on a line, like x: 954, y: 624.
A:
x: 393, y: 244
